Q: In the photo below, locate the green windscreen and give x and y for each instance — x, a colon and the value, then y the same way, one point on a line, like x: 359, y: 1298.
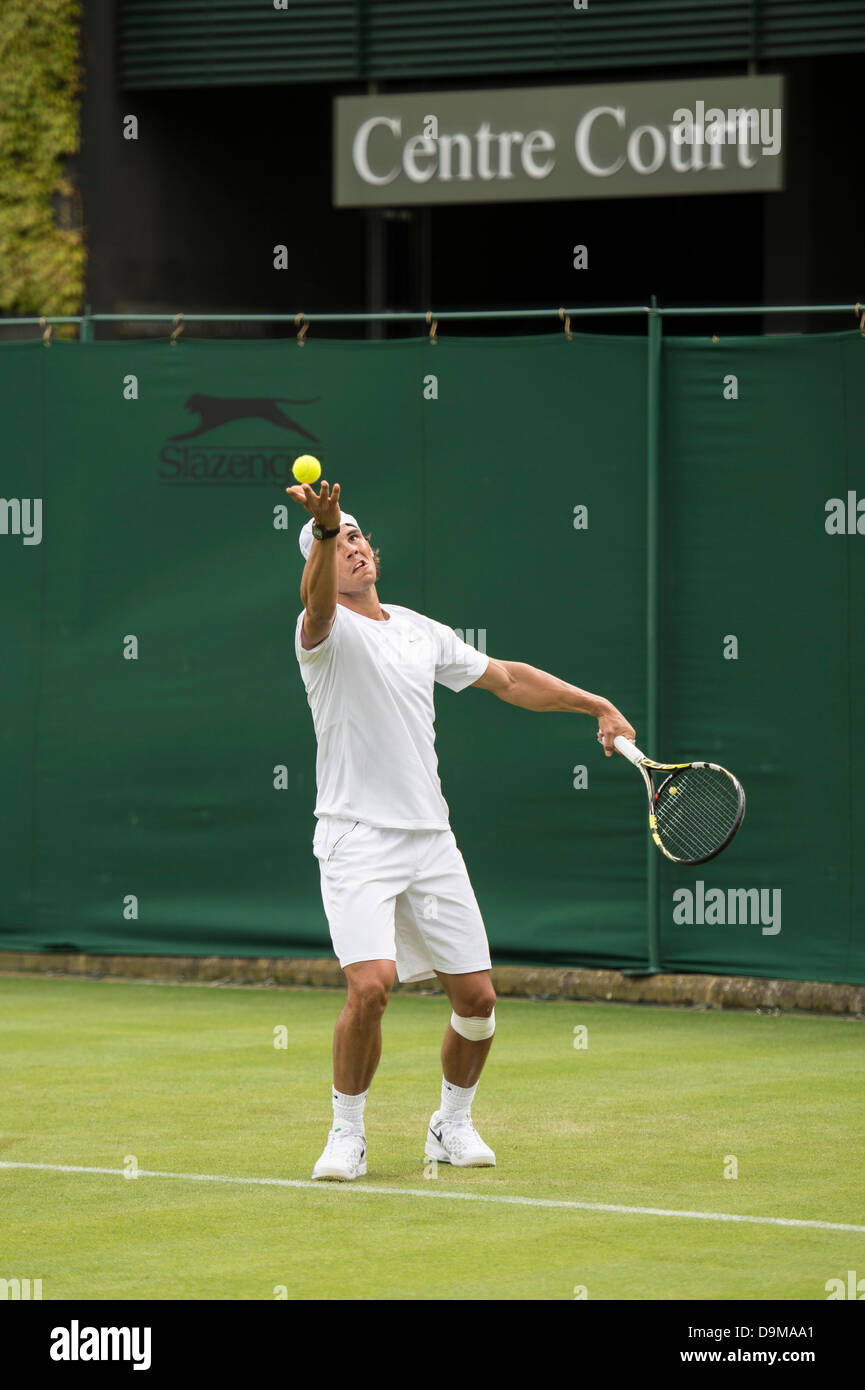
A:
x: 158, y: 750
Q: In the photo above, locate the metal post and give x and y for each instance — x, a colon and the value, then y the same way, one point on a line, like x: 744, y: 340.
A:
x: 376, y: 271
x: 85, y: 332
x: 376, y: 249
x: 653, y: 435
x: 423, y: 241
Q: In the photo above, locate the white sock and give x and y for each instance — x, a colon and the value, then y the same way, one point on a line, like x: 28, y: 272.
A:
x: 456, y: 1100
x: 348, y: 1111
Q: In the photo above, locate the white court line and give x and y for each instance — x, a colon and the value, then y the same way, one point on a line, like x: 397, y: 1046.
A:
x: 450, y: 1196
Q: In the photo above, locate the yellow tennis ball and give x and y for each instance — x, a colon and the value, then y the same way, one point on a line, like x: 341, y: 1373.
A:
x: 306, y: 468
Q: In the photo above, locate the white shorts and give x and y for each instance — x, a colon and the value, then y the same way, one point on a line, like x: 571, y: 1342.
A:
x: 400, y: 895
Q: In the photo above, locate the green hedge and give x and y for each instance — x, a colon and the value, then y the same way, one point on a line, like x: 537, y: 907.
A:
x: 41, y: 261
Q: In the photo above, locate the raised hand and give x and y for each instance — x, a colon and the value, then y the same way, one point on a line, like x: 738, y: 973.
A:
x: 322, y: 506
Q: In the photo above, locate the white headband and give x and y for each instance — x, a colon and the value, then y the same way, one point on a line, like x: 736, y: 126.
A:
x: 305, y: 538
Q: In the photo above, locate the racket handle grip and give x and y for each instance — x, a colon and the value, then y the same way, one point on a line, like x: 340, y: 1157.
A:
x: 628, y: 749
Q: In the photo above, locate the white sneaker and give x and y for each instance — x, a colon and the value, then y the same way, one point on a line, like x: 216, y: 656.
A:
x: 457, y: 1142
x: 344, y: 1156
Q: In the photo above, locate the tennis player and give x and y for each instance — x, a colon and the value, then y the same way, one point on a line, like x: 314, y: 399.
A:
x: 394, y: 885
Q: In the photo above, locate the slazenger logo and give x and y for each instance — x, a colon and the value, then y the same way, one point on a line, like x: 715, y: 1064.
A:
x: 232, y: 465
x: 76, y: 1343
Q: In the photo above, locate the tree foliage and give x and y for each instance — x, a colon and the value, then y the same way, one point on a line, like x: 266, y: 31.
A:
x: 42, y: 253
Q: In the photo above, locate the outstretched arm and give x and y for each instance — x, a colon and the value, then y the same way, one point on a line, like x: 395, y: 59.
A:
x: 319, y: 583
x: 530, y: 688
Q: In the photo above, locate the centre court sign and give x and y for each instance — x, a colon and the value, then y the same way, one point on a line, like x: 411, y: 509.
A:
x: 521, y: 144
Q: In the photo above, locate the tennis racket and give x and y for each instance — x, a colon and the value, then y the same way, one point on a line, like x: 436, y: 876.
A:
x: 696, y: 809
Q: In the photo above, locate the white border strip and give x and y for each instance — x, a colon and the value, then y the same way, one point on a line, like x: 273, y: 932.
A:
x: 448, y: 1196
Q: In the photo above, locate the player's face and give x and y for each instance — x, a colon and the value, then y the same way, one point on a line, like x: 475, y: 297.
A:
x: 355, y: 561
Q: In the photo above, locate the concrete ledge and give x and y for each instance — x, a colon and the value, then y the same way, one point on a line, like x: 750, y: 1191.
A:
x: 519, y: 981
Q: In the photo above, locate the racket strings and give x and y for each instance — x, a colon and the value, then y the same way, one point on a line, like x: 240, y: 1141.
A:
x: 696, y: 812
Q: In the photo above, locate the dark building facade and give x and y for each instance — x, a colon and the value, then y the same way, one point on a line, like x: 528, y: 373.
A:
x: 234, y: 156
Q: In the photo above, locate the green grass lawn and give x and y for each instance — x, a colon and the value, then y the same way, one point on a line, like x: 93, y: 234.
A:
x: 188, y: 1080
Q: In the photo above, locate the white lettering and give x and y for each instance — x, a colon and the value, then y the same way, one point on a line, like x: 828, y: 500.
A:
x: 507, y: 140
x: 634, y: 156
x: 419, y: 146
x: 446, y: 145
x: 482, y: 136
x: 540, y: 140
x: 583, y: 135
x: 359, y: 150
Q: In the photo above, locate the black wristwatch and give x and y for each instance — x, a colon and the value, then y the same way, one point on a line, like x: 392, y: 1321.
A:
x: 321, y: 534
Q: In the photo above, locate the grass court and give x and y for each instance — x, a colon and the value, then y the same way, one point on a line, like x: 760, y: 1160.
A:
x: 188, y: 1081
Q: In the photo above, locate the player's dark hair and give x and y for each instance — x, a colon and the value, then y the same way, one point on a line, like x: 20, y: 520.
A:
x: 376, y: 555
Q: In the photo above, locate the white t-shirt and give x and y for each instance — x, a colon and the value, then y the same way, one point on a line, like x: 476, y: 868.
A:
x: 370, y: 688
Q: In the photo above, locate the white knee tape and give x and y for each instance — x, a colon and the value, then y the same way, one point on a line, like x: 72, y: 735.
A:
x: 474, y: 1028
